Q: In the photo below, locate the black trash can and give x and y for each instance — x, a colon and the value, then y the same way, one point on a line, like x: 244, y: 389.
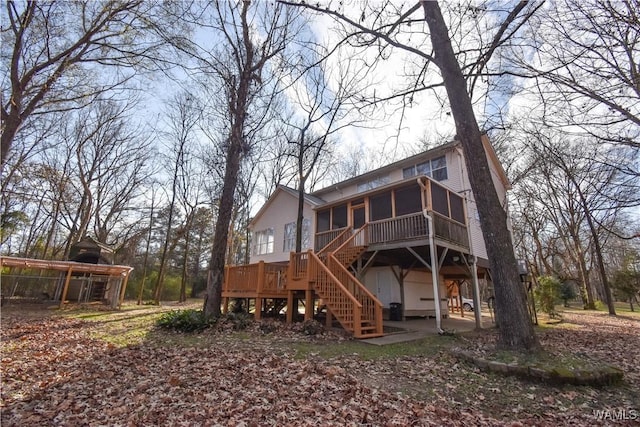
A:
x: 395, y: 311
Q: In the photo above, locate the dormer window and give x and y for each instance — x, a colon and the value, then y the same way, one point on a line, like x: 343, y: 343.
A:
x: 434, y: 168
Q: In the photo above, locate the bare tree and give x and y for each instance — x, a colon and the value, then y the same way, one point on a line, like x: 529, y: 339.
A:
x: 246, y: 38
x: 324, y: 106
x: 53, y: 51
x: 181, y: 121
x: 594, y: 181
x: 583, y: 55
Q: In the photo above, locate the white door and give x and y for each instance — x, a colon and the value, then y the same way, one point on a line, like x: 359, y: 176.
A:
x: 384, y: 283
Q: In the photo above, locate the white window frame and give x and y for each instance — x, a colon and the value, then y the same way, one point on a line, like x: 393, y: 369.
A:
x: 263, y: 241
x: 429, y: 169
x: 289, y: 240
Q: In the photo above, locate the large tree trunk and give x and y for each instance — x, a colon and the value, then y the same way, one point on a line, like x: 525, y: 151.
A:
x: 516, y: 329
x: 218, y: 253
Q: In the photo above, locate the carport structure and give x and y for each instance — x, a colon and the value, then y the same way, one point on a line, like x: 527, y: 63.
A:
x: 116, y: 276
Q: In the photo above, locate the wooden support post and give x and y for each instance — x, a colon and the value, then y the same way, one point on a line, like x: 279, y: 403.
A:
x: 225, y: 305
x: 258, y: 308
x: 261, y: 277
x: 257, y: 314
x: 329, y: 319
x: 308, y: 304
x: 124, y: 288
x: 66, y: 288
x: 290, y: 306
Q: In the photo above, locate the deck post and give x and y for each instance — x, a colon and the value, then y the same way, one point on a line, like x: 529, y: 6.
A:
x: 308, y: 304
x: 260, y: 277
x: 225, y: 305
x: 258, y: 308
x: 257, y: 314
x: 289, y: 306
x: 476, y: 292
x: 329, y: 320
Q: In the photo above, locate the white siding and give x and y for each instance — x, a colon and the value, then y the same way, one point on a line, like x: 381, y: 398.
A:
x: 418, y: 294
x: 417, y: 286
x: 283, y: 209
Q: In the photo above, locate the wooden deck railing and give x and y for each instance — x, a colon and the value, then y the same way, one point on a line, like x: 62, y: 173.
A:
x: 447, y: 229
x: 403, y: 228
x: 406, y: 227
x: 344, y: 306
x: 323, y: 238
x: 371, y: 308
x: 334, y: 244
x: 252, y: 278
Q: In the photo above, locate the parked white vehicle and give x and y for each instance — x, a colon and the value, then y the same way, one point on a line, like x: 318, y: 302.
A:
x: 467, y: 304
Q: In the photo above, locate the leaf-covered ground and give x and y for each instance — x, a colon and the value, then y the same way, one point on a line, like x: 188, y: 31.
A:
x: 101, y: 368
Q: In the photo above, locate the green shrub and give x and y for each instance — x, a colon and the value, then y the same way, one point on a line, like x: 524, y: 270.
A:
x: 547, y: 294
x: 185, y: 321
x: 567, y: 293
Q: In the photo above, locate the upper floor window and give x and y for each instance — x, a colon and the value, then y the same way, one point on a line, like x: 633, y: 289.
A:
x: 434, y: 168
x: 290, y: 235
x: 373, y: 183
x: 263, y: 241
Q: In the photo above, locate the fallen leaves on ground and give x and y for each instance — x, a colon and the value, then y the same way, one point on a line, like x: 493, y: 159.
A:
x: 55, y: 372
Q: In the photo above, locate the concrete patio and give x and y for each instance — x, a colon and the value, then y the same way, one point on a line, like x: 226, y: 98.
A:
x: 418, y: 328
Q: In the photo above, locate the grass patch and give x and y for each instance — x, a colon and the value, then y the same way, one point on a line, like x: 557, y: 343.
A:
x: 328, y: 350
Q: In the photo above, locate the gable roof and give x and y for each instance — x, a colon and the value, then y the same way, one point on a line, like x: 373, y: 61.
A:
x: 406, y: 162
x: 488, y: 148
x: 440, y: 150
x: 308, y: 198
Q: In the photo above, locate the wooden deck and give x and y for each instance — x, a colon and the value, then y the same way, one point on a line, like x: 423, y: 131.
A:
x: 325, y: 274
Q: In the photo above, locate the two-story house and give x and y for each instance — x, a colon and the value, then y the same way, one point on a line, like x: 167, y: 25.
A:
x: 397, y: 234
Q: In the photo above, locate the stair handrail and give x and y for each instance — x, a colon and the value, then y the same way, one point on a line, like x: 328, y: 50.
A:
x: 336, y: 242
x: 357, y: 306
x: 361, y: 289
x: 353, y: 237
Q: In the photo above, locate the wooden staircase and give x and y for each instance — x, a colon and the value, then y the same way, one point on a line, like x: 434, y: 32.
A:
x: 357, y: 309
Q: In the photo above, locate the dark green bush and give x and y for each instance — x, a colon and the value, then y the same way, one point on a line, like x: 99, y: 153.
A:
x: 185, y: 321
x: 547, y: 294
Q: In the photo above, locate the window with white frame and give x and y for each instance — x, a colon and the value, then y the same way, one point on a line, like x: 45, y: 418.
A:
x: 289, y: 243
x: 263, y: 241
x: 435, y: 168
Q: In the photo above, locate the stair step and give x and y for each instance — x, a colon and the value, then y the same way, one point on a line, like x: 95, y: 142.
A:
x: 366, y: 336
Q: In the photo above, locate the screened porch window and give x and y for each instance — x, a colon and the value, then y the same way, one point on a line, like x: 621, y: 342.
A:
x: 339, y: 219
x: 408, y: 200
x: 457, y: 208
x: 380, y: 206
x: 439, y: 200
x: 323, y: 220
